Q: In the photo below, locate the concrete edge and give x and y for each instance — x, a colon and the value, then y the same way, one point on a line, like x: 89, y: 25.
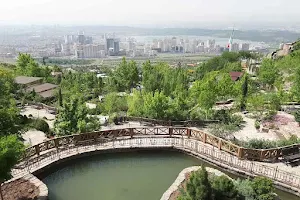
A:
x: 43, y: 189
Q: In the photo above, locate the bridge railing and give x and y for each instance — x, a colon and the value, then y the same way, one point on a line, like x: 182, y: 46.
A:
x: 221, y: 144
x: 69, y: 147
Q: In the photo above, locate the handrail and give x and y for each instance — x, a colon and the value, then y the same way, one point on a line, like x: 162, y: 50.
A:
x: 248, y: 153
x: 224, y: 145
x: 152, y: 137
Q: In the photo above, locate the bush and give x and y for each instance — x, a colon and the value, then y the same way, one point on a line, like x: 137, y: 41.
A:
x: 30, y: 116
x: 257, y: 124
x: 42, y: 125
x: 267, y: 144
x: 224, y: 188
x: 45, y: 118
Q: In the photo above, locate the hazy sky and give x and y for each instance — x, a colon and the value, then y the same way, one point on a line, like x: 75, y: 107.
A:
x: 149, y: 12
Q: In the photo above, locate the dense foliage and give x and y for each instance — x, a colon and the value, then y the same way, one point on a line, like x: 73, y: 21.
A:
x: 10, y: 151
x: 73, y: 118
x: 202, y: 186
x: 9, y: 114
x: 267, y: 144
x: 197, y: 187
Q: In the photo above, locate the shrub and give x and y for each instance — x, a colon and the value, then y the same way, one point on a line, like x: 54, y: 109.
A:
x: 257, y: 124
x: 224, y: 188
x: 198, y: 186
x: 42, y: 125
x: 30, y: 115
x: 262, y: 188
x: 45, y: 118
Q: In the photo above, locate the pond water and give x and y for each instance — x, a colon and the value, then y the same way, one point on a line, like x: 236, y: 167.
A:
x: 121, y: 176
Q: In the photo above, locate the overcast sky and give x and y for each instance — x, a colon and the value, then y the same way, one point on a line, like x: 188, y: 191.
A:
x: 149, y: 12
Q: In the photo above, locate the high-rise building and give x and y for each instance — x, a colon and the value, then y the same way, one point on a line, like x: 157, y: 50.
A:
x: 109, y: 44
x: 210, y: 44
x: 245, y: 47
x: 81, y: 38
x: 160, y: 45
x: 235, y: 47
x: 174, y: 41
x: 116, y: 47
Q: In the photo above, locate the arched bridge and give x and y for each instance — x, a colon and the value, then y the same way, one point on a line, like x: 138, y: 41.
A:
x: 202, y: 145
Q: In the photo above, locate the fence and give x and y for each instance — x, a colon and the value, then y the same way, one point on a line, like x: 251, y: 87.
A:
x: 51, y: 151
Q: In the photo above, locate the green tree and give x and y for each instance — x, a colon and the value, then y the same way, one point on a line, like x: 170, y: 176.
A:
x: 268, y: 73
x: 10, y: 151
x: 153, y: 77
x: 136, y: 104
x: 42, y: 125
x: 256, y: 103
x: 22, y: 62
x: 244, y: 91
x: 126, y: 76
x: 156, y: 106
x: 73, y: 118
x: 224, y: 189
x: 263, y: 188
x: 9, y: 114
x: 198, y: 186
x: 114, y: 103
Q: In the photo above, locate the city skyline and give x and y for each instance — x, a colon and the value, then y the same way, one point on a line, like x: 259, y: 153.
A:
x: 156, y: 13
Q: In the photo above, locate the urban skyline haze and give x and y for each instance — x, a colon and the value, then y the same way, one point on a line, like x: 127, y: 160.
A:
x: 154, y: 13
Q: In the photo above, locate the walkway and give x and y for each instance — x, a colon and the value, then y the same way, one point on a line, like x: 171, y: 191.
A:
x: 190, y: 146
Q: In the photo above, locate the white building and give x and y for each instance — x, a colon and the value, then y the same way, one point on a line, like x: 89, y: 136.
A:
x: 235, y: 47
x: 245, y: 47
x: 210, y: 44
x: 90, y: 51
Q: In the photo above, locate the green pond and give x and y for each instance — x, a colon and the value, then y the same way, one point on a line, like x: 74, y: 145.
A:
x: 121, y: 176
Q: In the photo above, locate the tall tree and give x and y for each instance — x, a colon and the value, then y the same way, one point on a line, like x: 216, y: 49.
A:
x: 8, y: 111
x: 73, y: 118
x: 156, y: 106
x: 244, y: 92
x: 126, y: 76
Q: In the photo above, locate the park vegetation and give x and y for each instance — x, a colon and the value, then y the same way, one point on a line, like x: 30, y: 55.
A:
x: 204, y: 186
x: 159, y: 91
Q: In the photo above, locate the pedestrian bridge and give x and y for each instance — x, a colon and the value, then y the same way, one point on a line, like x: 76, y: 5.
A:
x: 194, y: 142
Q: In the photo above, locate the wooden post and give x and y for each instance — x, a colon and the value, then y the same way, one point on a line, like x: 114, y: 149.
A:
x: 204, y: 138
x: 131, y: 132
x: 170, y: 132
x: 220, y: 144
x: 37, y: 150
x: 188, y: 131
x: 240, y: 152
